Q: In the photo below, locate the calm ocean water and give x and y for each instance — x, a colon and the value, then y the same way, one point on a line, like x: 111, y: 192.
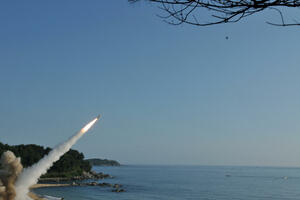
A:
x: 190, y: 183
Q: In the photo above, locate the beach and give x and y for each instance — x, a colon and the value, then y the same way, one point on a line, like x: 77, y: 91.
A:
x: 34, y: 196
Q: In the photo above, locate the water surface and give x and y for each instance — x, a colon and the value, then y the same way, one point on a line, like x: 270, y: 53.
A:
x: 190, y: 183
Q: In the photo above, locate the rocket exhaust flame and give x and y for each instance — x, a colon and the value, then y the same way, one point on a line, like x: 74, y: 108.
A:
x: 30, y: 175
x: 89, y: 125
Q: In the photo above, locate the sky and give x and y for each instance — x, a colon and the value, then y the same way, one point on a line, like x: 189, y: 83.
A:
x: 168, y: 94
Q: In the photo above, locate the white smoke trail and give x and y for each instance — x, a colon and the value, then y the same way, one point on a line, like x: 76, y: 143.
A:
x: 30, y: 175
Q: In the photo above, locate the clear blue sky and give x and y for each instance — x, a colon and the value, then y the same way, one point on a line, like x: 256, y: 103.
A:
x: 168, y: 94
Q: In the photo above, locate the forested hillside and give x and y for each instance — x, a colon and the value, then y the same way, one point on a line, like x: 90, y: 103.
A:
x: 71, y: 164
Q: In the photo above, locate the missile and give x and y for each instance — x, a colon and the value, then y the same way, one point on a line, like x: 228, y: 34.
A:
x: 90, y: 124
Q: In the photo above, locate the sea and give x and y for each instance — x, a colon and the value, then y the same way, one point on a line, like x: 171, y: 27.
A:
x: 189, y: 183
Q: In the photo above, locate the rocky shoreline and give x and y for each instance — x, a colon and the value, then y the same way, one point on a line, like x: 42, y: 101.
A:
x: 77, y: 181
x: 116, y: 187
x: 92, y: 175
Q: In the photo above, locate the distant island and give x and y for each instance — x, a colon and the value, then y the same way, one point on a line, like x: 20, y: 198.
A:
x: 103, y: 162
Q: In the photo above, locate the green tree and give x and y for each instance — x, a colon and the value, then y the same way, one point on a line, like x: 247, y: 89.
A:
x: 70, y: 164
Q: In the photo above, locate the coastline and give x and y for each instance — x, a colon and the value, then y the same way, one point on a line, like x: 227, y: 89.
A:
x: 34, y: 196
x: 41, y: 185
x: 61, y: 182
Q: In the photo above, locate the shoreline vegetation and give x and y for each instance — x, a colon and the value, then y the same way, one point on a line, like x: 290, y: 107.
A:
x: 102, y: 162
x: 71, y: 165
x: 69, y: 171
x: 91, y: 175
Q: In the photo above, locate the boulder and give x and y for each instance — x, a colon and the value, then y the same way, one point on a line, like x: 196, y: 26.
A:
x: 118, y: 190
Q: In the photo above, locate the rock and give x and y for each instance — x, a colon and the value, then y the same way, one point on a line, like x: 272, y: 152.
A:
x: 118, y: 190
x: 105, y: 184
x: 95, y: 173
x: 74, y: 183
x: 92, y: 184
x: 117, y: 186
x: 87, y: 175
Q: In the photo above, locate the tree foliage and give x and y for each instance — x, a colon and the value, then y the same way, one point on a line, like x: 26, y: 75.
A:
x: 70, y: 164
x: 103, y: 162
x: 212, y: 12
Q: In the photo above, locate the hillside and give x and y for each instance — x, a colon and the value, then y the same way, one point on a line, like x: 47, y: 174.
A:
x: 102, y: 162
x: 71, y: 164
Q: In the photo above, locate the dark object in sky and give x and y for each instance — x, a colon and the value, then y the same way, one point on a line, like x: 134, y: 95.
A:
x: 226, y: 37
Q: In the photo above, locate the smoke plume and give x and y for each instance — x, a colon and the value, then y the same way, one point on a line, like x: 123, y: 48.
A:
x: 11, y: 167
x: 30, y: 175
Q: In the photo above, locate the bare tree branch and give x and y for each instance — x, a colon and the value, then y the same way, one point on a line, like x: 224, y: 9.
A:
x: 220, y: 11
